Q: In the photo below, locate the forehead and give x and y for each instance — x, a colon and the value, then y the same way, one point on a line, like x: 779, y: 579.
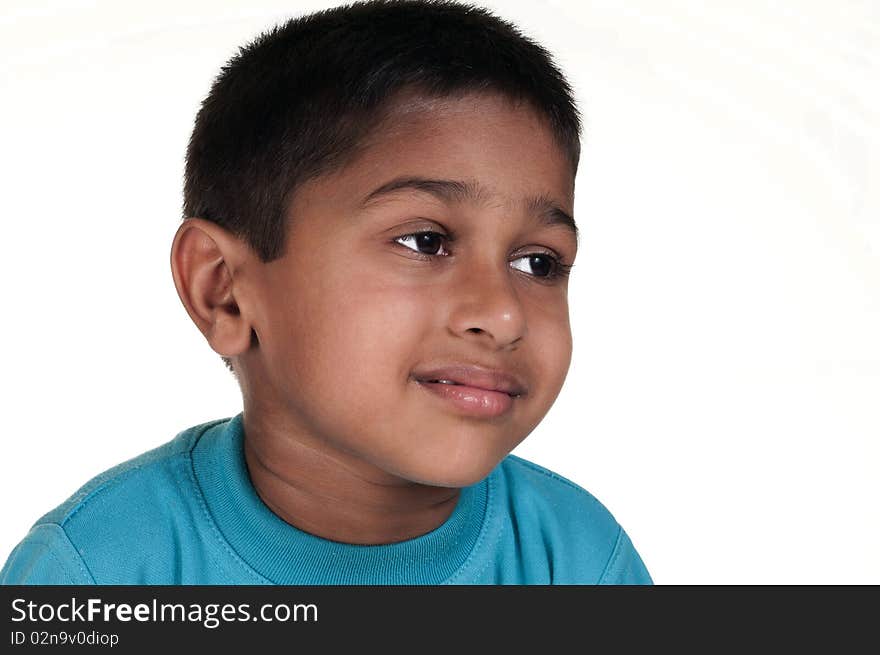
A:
x: 480, y: 149
x: 467, y: 123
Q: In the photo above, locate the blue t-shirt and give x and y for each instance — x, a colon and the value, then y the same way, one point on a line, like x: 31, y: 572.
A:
x: 187, y: 513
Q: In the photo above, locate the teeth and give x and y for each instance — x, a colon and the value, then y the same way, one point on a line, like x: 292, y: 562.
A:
x: 443, y: 381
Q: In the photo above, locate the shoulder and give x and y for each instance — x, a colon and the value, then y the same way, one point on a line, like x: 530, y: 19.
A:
x: 535, y: 487
x: 123, y: 509
x: 45, y: 556
x: 536, y: 474
x: 148, y: 473
x: 583, y: 537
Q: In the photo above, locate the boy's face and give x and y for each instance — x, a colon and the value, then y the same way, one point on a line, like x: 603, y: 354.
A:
x: 357, y: 316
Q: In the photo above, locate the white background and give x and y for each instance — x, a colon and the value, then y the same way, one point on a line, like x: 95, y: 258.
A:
x: 724, y: 397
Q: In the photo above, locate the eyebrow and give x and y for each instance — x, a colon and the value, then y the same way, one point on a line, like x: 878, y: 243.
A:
x: 544, y: 208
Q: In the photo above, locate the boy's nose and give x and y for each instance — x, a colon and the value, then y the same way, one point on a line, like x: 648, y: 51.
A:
x: 485, y: 306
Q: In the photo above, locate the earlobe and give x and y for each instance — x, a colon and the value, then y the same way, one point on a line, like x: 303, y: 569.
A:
x: 204, y: 258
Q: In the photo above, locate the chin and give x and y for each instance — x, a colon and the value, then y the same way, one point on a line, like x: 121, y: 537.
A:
x: 457, y: 475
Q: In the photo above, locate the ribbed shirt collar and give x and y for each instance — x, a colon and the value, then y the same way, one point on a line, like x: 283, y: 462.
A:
x: 284, y: 554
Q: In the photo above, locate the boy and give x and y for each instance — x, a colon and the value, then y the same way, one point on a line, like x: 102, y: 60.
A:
x: 378, y: 230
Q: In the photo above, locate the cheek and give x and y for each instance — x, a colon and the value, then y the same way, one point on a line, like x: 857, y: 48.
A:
x: 552, y: 341
x: 356, y: 339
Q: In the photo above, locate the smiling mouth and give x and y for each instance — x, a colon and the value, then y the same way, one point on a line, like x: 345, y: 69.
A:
x: 459, y: 384
x: 469, y: 401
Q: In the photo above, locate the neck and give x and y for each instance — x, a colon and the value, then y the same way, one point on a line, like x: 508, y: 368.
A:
x: 334, y: 495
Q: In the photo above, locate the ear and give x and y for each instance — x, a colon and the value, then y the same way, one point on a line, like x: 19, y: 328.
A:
x: 205, y: 258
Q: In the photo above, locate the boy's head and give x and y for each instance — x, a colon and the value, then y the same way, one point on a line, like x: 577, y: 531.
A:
x: 378, y: 201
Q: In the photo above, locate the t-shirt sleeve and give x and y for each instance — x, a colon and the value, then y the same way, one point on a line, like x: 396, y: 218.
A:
x: 625, y: 567
x: 45, y: 557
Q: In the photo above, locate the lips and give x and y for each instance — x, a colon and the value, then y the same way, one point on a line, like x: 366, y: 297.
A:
x: 475, y: 377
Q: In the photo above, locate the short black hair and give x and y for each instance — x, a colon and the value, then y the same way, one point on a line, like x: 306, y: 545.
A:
x: 300, y: 99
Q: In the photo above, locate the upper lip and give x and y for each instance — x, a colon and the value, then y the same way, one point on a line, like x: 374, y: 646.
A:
x: 491, y: 379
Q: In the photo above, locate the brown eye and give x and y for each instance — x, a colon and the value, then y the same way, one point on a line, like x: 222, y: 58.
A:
x: 537, y: 265
x: 542, y: 266
x: 425, y: 243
